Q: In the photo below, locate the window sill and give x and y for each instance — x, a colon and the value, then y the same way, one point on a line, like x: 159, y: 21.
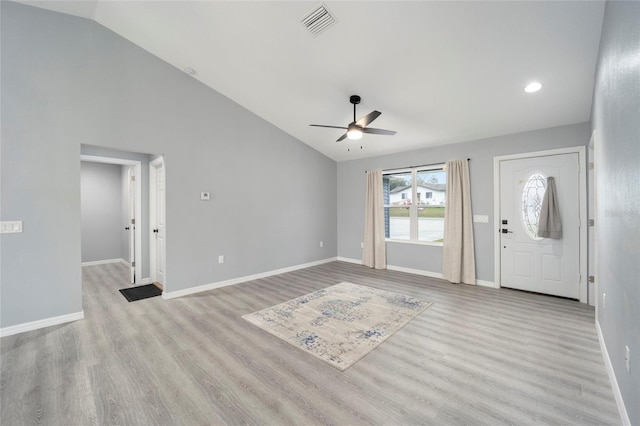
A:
x: 417, y: 243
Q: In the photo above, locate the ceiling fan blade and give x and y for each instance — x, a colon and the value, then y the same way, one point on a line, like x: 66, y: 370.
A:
x: 364, y: 121
x: 378, y: 131
x: 341, y: 138
x: 330, y: 127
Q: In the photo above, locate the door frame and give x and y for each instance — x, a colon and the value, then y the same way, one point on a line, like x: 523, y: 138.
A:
x: 582, y: 220
x: 591, y: 226
x: 153, y: 247
x: 595, y: 147
x: 131, y: 209
x: 137, y: 165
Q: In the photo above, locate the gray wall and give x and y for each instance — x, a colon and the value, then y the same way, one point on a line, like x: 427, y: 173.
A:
x: 45, y: 95
x: 67, y: 81
x: 351, y: 192
x: 616, y: 120
x: 101, y: 211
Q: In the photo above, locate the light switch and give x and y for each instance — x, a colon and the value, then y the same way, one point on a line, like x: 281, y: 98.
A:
x: 481, y: 218
x: 11, y: 227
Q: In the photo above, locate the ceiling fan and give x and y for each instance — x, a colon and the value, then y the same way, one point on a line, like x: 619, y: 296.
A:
x: 357, y: 128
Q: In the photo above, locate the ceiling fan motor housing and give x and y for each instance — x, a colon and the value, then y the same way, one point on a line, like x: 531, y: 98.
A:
x: 354, y: 99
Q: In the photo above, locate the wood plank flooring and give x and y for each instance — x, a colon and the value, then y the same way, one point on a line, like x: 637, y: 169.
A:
x: 478, y: 356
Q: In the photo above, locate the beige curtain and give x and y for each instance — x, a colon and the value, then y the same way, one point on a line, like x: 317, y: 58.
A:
x: 458, y: 258
x: 374, y: 254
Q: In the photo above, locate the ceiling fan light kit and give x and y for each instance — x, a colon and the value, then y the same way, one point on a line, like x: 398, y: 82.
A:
x: 355, y: 129
x: 354, y: 133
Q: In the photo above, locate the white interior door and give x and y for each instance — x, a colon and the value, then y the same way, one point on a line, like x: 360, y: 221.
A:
x: 159, y: 224
x: 542, y: 265
x: 131, y: 226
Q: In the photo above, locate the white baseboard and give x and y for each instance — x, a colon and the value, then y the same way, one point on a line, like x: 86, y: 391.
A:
x: 624, y: 416
x: 484, y: 283
x: 349, y: 260
x: 104, y: 262
x: 34, y: 325
x: 424, y: 273
x: 234, y: 281
x: 415, y: 271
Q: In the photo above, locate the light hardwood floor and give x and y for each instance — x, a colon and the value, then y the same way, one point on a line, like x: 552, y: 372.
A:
x: 478, y: 356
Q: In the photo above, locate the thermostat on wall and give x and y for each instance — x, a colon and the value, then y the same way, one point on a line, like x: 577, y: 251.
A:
x: 205, y: 196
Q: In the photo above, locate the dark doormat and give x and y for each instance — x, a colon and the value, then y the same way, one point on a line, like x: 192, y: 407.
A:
x: 140, y: 292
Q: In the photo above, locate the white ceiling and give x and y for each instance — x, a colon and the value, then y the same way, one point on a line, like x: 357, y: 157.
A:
x: 440, y: 72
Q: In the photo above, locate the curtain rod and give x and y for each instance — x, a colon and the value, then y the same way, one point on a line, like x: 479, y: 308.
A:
x: 413, y: 167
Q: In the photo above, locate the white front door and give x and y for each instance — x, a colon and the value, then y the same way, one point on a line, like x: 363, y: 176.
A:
x: 542, y: 265
x: 158, y: 236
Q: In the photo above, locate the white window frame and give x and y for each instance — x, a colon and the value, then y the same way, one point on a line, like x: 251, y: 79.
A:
x: 413, y: 208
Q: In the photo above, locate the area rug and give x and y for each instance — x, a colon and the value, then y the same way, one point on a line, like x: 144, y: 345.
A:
x: 141, y: 292
x: 339, y: 324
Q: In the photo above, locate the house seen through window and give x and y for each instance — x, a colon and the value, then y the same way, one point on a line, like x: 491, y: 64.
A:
x: 414, y: 204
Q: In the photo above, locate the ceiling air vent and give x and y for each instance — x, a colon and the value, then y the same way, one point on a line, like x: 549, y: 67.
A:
x: 318, y: 20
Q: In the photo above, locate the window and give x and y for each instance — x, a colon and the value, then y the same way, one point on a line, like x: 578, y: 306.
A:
x: 532, y: 196
x: 422, y: 221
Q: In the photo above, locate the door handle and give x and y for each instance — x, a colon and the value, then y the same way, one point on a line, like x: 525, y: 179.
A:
x: 155, y: 231
x: 126, y: 228
x: 506, y: 231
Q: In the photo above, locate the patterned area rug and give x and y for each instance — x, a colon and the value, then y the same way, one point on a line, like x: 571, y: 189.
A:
x: 339, y: 324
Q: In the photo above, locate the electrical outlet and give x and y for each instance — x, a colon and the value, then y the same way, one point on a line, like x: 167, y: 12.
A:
x: 361, y: 245
x: 627, y: 358
x: 321, y: 244
x: 604, y: 300
x: 220, y: 259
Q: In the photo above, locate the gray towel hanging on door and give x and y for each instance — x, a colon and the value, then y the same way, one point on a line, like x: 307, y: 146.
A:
x: 549, y: 224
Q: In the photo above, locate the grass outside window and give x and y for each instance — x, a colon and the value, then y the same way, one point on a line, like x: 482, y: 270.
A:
x: 430, y: 211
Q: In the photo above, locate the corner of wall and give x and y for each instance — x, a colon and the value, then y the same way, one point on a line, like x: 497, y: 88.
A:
x: 626, y: 421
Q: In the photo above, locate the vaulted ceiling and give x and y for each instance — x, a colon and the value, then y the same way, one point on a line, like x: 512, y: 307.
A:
x: 440, y: 72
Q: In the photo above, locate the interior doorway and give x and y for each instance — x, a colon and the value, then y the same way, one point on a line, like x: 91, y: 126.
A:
x: 523, y: 260
x: 131, y: 212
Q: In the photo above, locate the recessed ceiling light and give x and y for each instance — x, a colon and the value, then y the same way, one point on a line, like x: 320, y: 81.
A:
x: 532, y: 87
x: 190, y: 71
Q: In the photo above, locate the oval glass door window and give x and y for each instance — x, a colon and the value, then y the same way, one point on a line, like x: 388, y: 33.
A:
x: 532, y: 196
